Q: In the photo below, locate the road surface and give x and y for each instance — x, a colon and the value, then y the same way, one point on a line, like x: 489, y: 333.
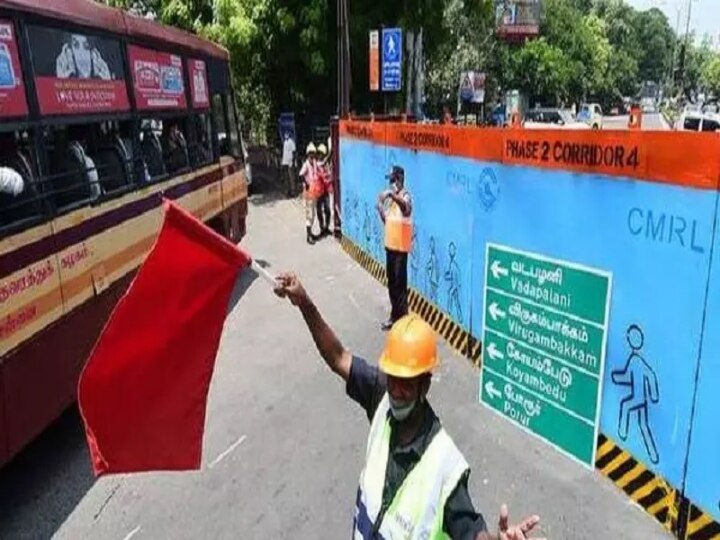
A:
x: 650, y: 122
x: 284, y: 446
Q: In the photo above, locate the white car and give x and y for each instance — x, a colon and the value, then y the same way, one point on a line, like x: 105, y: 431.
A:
x: 695, y: 118
x: 552, y: 119
x: 591, y: 114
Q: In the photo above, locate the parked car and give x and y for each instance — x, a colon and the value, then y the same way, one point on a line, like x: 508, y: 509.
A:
x: 551, y: 118
x: 696, y: 118
x: 591, y: 114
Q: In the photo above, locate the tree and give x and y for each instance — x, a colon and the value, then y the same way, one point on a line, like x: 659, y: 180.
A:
x: 711, y: 74
x: 656, y: 42
x: 542, y: 71
x: 696, y: 58
x: 468, y: 45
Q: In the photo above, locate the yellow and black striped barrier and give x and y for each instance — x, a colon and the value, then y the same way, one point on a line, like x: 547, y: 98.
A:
x: 460, y: 340
x: 639, y: 483
x: 700, y: 526
x: 650, y: 491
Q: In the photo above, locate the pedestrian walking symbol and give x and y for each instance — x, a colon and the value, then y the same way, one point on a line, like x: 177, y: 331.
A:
x: 391, y: 60
x: 544, y: 337
x: 391, y: 48
x: 452, y: 276
x: 641, y: 381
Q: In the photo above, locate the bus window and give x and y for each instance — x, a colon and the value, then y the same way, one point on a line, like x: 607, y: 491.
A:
x: 19, y: 197
x: 114, y: 157
x: 151, y: 150
x: 218, y: 112
x: 235, y: 149
x: 72, y: 176
x: 164, y: 147
x: 176, y: 154
x: 201, y: 152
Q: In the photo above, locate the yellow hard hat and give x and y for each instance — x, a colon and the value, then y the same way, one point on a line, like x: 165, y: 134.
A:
x: 310, y: 149
x: 410, y: 348
x: 322, y: 149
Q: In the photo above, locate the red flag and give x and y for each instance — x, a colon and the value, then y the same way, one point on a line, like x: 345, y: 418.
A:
x: 143, y: 392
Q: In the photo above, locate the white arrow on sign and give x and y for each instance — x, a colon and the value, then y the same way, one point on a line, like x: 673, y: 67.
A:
x: 498, y: 270
x: 494, y: 352
x: 495, y: 312
x: 491, y: 390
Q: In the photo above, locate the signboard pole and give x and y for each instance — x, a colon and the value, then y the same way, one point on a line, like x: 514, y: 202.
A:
x: 544, y: 337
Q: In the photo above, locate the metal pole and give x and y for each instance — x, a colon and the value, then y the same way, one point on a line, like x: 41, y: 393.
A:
x: 338, y: 20
x: 347, y: 65
x: 687, y: 42
x: 674, y: 53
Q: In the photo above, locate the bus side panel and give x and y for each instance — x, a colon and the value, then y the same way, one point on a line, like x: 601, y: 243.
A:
x: 76, y: 261
x: 4, y: 450
x: 41, y: 376
x: 234, y: 199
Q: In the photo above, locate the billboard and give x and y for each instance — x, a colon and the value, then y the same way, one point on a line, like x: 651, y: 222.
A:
x: 517, y: 19
x: 374, y: 60
x: 472, y: 87
x: 12, y: 90
x: 157, y: 79
x: 77, y: 73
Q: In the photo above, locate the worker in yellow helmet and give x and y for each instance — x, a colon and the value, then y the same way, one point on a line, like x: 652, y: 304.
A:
x: 414, y: 483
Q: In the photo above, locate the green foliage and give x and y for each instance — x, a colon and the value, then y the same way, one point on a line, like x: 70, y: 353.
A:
x: 284, y: 51
x: 711, y: 74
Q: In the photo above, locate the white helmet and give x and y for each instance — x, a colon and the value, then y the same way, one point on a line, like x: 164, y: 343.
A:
x: 310, y: 149
x: 322, y: 149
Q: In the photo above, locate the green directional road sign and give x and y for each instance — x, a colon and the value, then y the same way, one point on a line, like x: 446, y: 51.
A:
x: 544, y: 336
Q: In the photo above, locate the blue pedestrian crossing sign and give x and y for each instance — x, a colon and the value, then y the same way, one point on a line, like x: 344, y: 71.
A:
x: 392, y: 48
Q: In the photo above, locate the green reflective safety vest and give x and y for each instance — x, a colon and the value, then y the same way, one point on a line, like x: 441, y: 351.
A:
x: 416, y: 512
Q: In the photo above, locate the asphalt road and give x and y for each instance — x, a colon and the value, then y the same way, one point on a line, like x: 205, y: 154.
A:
x: 650, y: 122
x: 284, y: 446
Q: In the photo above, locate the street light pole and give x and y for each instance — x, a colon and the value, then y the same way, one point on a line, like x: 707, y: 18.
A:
x: 687, y: 42
x: 674, y: 53
x: 343, y: 59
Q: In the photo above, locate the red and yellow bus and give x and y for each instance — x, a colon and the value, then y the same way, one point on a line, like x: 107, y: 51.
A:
x: 102, y: 115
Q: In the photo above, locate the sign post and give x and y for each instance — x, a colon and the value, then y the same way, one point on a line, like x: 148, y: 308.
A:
x: 544, y: 338
x: 392, y: 51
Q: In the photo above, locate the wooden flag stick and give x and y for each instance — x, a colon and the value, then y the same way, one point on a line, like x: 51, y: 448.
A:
x: 267, y: 276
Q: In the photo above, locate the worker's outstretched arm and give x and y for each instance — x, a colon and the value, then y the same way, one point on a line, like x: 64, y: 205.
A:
x: 335, y: 355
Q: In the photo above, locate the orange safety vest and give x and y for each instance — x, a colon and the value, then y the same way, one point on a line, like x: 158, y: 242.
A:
x: 398, y: 229
x: 314, y: 181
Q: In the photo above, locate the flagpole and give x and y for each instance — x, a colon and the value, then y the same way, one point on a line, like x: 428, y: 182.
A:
x: 267, y: 276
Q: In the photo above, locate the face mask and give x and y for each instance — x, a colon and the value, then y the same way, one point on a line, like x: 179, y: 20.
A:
x: 401, y: 409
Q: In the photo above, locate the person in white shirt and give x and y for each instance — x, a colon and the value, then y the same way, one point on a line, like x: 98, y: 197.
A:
x: 288, y: 163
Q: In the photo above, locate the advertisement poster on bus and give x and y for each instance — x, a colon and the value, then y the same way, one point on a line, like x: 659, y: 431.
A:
x: 12, y: 90
x: 157, y: 79
x: 77, y: 73
x: 198, y: 84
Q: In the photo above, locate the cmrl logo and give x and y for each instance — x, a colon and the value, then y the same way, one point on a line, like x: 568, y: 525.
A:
x: 6, y: 32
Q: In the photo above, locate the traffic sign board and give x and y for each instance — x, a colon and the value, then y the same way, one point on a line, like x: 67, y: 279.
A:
x: 392, y: 48
x: 544, y: 339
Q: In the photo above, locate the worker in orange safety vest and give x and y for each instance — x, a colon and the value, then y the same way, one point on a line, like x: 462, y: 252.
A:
x: 395, y: 208
x: 312, y: 188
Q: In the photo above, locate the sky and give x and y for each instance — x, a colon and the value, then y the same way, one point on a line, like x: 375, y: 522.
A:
x: 705, y: 15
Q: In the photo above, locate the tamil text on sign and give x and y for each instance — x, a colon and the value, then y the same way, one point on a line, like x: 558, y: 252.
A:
x: 544, y: 335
